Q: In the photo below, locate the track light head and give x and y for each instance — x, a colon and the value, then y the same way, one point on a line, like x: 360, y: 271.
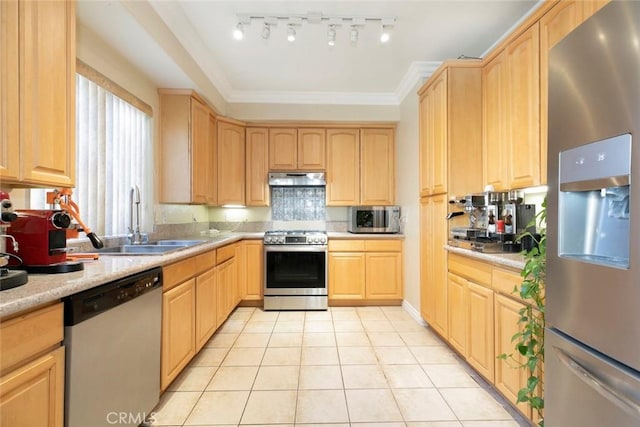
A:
x: 266, y: 31
x: 353, y: 35
x: 291, y: 33
x: 331, y: 35
x: 238, y: 32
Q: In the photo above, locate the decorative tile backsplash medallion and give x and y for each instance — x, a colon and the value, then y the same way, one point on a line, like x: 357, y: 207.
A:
x: 298, y: 203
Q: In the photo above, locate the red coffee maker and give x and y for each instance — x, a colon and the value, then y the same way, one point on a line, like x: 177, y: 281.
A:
x: 8, y: 278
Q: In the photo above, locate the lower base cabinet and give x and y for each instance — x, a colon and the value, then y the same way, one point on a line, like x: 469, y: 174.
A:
x: 206, y: 307
x: 32, y: 364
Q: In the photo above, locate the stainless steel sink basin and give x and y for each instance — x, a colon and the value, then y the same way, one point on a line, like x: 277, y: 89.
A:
x: 159, y: 247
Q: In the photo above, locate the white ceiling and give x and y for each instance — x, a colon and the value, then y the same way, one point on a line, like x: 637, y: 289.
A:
x: 308, y: 70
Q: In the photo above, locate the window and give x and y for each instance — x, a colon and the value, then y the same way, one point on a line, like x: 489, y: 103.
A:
x: 113, y: 153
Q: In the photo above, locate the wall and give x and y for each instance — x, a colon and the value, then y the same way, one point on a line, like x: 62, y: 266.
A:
x: 314, y: 112
x: 407, y: 172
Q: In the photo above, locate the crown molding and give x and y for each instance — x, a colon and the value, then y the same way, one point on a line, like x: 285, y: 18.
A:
x: 418, y: 71
x: 322, y: 98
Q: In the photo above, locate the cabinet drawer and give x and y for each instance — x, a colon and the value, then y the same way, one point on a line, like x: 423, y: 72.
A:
x: 178, y: 272
x: 26, y: 335
x: 383, y: 245
x: 346, y: 245
x: 225, y: 253
x: 476, y: 271
x: 504, y: 281
x: 205, y: 261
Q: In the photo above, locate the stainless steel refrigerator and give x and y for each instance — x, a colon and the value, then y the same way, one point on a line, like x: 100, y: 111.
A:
x: 592, y: 340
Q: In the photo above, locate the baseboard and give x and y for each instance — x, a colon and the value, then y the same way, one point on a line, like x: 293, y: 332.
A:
x: 413, y: 312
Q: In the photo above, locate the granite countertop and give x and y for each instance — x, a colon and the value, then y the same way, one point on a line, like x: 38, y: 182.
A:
x: 511, y: 260
x: 363, y: 236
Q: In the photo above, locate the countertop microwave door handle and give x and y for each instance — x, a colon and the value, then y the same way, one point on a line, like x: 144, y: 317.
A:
x: 592, y: 380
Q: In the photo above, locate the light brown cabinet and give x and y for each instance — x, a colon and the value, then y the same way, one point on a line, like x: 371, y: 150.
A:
x: 206, y: 305
x: 312, y: 152
x: 188, y: 149
x: 480, y: 351
x: 450, y: 119
x: 231, y: 163
x: 226, y: 274
x: 377, y: 167
x: 253, y: 267
x: 283, y: 149
x: 343, y: 167
x: 32, y: 364
x: 257, y: 166
x: 369, y: 270
x: 457, y: 308
x: 37, y: 111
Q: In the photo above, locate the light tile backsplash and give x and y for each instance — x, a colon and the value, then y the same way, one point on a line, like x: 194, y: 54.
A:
x: 298, y: 204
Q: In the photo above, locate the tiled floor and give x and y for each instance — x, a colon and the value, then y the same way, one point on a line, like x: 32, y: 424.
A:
x: 358, y: 366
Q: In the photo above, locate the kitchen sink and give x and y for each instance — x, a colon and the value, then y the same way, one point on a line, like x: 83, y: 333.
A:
x: 159, y: 247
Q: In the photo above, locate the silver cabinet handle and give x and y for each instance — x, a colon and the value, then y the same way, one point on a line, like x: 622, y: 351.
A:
x: 592, y: 380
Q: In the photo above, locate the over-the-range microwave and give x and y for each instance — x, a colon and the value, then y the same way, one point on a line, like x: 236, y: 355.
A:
x: 374, y: 219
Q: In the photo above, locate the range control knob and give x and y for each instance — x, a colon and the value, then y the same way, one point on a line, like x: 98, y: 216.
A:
x: 61, y: 220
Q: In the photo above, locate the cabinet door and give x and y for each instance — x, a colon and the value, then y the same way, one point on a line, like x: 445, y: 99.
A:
x: 201, y: 178
x: 312, y: 151
x: 523, y: 161
x: 383, y: 275
x: 438, y: 158
x: 426, y: 131
x: 212, y: 194
x: 33, y: 395
x: 206, y: 305
x: 9, y: 92
x: 343, y: 167
x: 495, y: 122
x: 178, y: 330
x: 231, y: 164
x: 427, y: 294
x: 283, y: 149
x: 480, y: 353
x: 457, y: 313
x: 257, y: 166
x: 346, y: 275
x: 377, y: 163
x: 590, y: 7
x: 508, y: 378
x: 47, y: 92
x: 226, y: 276
x: 254, y: 270
x: 554, y: 26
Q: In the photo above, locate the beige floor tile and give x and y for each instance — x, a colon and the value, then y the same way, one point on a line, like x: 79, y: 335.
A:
x: 246, y: 339
x: 241, y: 314
x: 319, y: 339
x: 345, y: 315
x: 231, y: 326
x: 290, y: 316
x: 282, y: 356
x: 244, y: 357
x: 323, y: 424
x: 397, y: 313
x: 394, y: 356
x: 423, y: 404
x: 363, y: 377
x: 260, y: 315
x: 385, y: 339
x: 318, y: 326
x: 492, y: 423
x: 352, y: 339
x: 433, y: 354
x: 474, y: 404
x: 407, y: 326
x: 449, y: 376
x: 270, y: 407
x: 372, y: 406
x: 318, y: 316
x: 321, y: 406
x: 174, y: 407
x: 209, y: 357
x: 319, y: 356
x: 193, y: 379
x: 348, y: 326
x: 221, y: 340
x: 233, y: 378
x: 370, y: 313
x: 378, y: 424
x: 259, y: 326
x: 320, y: 378
x: 406, y: 376
x: 377, y: 325
x: 218, y: 407
x: 289, y: 326
x: 434, y: 424
x: 286, y: 339
x: 357, y: 356
x: 277, y: 378
x: 425, y: 337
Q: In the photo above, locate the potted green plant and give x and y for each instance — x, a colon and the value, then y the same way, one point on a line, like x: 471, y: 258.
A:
x: 529, y: 341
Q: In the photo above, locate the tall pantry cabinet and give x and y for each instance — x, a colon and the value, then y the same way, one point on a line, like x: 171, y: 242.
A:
x: 450, y: 166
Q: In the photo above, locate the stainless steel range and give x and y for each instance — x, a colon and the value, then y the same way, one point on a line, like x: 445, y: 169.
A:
x: 295, y: 270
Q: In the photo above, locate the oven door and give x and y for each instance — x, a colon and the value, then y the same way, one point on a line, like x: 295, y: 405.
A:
x: 295, y: 270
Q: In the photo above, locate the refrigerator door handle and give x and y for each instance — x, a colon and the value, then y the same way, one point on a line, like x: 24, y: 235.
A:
x: 627, y: 403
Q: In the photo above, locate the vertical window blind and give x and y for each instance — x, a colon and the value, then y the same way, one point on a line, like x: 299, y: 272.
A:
x: 113, y: 153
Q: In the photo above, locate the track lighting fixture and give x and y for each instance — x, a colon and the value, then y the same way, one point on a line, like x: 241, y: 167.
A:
x: 356, y: 24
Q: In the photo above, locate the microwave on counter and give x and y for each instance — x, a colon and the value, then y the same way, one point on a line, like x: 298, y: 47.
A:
x: 374, y: 219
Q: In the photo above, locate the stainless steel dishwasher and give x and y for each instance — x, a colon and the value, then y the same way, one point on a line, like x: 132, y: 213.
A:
x: 112, y: 339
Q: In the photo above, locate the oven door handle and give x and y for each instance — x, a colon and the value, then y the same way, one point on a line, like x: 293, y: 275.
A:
x: 295, y: 248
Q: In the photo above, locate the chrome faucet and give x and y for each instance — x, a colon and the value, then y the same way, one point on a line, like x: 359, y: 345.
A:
x: 135, y: 236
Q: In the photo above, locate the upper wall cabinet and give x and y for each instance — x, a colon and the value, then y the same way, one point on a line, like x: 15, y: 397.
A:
x: 231, y: 163
x: 297, y: 149
x: 188, y: 149
x: 450, y: 136
x: 343, y: 167
x: 37, y: 111
x: 377, y: 167
x: 257, y: 165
